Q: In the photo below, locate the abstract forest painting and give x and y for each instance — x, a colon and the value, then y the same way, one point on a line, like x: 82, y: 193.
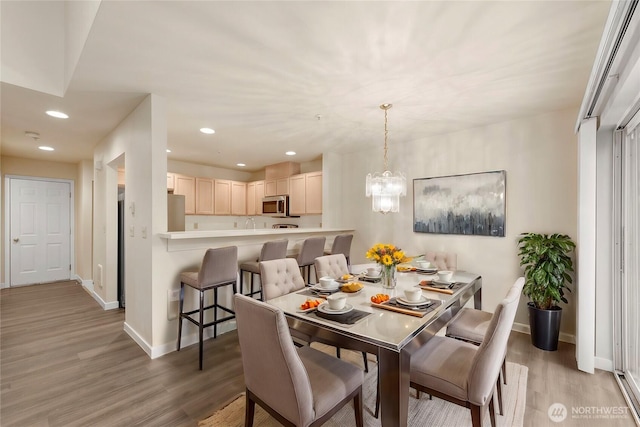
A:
x: 472, y: 204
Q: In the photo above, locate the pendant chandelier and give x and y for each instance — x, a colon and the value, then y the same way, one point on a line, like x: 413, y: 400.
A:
x: 385, y: 189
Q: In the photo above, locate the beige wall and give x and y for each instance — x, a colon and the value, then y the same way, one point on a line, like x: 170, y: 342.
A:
x: 539, y: 155
x: 41, y: 169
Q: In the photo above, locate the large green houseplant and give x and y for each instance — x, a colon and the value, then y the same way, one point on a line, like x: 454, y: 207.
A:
x: 547, y: 270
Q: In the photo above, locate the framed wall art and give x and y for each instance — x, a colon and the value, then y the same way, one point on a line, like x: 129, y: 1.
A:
x: 472, y: 204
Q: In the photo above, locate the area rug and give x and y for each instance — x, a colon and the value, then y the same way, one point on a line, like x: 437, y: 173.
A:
x: 422, y: 412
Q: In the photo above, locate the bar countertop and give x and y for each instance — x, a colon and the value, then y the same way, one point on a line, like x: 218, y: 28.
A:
x: 208, y: 234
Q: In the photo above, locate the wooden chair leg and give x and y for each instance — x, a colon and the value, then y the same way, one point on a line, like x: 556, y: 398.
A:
x: 357, y: 407
x: 366, y: 362
x: 492, y: 412
x: 504, y: 371
x: 499, y: 387
x: 338, y: 352
x: 215, y: 312
x: 476, y: 416
x: 376, y: 413
x: 249, y: 410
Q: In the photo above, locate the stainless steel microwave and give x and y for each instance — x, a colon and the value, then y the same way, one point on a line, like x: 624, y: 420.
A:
x: 276, y: 206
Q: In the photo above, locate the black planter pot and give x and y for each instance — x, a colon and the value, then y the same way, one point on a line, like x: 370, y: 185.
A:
x: 545, y: 327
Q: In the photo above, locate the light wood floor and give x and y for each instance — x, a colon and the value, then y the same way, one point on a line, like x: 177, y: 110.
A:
x: 66, y: 362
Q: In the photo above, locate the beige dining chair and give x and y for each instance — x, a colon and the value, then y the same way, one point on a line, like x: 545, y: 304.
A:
x: 471, y: 325
x: 442, y: 260
x: 299, y: 386
x: 463, y: 373
x: 334, y: 266
x: 275, y: 249
x: 218, y: 269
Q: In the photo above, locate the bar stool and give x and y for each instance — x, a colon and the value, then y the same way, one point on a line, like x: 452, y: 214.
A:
x: 219, y: 268
x: 276, y: 249
x: 341, y: 245
x: 312, y: 248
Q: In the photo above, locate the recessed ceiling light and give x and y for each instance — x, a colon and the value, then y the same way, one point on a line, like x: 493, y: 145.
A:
x: 57, y: 114
x: 241, y: 164
x: 290, y: 153
x: 168, y: 151
x: 45, y: 148
x: 208, y: 131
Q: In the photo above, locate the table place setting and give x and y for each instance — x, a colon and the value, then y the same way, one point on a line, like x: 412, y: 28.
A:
x: 336, y: 309
x: 412, y: 303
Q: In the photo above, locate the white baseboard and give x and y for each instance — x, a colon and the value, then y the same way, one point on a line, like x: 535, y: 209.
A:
x: 111, y: 305
x: 564, y: 337
x: 138, y: 339
x: 187, y: 340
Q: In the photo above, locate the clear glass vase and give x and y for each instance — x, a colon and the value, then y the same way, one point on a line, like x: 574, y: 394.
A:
x: 389, y: 277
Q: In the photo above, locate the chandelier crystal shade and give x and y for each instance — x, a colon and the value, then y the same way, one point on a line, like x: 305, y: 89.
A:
x: 386, y: 188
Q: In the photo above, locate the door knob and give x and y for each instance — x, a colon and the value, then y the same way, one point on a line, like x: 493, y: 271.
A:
x: 16, y: 240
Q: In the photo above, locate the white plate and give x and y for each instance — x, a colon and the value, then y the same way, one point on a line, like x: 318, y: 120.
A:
x: 324, y: 307
x: 422, y: 301
x: 366, y: 276
x: 352, y: 293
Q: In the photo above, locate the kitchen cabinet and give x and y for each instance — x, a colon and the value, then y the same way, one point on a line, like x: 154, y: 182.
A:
x: 186, y: 186
x: 313, y: 189
x: 204, y: 196
x: 255, y: 194
x: 259, y: 196
x: 305, y: 197
x: 276, y: 187
x: 238, y: 198
x: 171, y: 177
x: 297, y: 196
x: 222, y: 193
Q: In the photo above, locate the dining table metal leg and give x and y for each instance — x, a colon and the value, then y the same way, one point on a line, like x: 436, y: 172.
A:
x: 394, y: 387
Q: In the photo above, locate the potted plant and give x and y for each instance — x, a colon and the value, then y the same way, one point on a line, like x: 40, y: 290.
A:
x: 547, y: 264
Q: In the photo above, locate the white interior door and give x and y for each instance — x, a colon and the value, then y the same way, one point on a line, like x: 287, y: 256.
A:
x: 40, y: 231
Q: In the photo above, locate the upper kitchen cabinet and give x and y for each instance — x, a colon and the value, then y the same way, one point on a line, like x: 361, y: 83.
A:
x: 171, y: 182
x: 204, y: 196
x: 255, y: 194
x: 305, y: 197
x: 238, y: 198
x: 186, y: 186
x: 222, y: 197
x: 276, y: 187
x: 313, y: 187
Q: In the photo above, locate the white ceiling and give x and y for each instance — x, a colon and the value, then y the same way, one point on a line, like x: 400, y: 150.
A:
x: 305, y: 76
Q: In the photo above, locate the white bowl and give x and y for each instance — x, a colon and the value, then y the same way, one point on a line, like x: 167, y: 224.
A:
x: 327, y: 282
x: 337, y: 301
x: 413, y: 294
x: 424, y: 264
x: 445, y: 275
x: 373, y: 272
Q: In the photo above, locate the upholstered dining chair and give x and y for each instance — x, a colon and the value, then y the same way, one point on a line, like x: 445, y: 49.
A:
x: 471, y: 325
x: 301, y: 386
x: 463, y: 373
x: 334, y: 266
x: 341, y: 245
x: 218, y: 269
x: 275, y: 249
x: 442, y: 260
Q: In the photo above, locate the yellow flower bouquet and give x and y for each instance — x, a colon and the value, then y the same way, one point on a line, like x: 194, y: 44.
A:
x: 388, y: 256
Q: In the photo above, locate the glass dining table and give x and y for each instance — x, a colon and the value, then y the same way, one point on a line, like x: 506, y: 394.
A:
x: 391, y: 335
